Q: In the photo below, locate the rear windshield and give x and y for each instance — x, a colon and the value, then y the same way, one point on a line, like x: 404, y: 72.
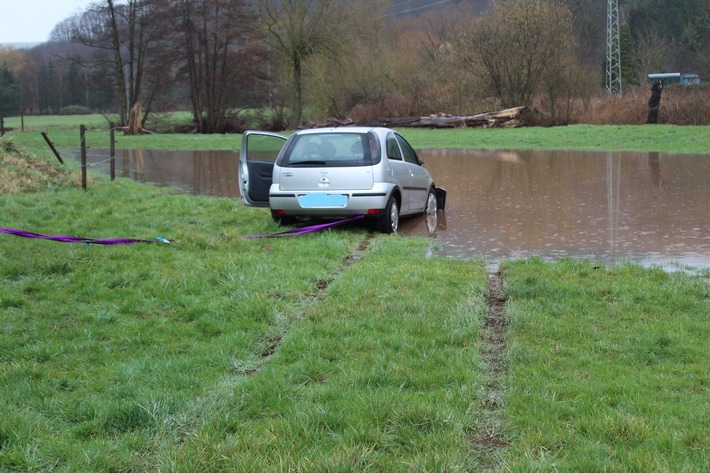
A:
x: 332, y: 150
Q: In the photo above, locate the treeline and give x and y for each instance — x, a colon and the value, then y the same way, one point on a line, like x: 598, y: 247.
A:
x: 358, y: 59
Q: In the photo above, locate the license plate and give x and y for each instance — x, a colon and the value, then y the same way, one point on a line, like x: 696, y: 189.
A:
x: 310, y: 201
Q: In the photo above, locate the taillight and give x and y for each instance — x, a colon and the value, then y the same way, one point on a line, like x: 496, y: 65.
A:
x: 374, y: 147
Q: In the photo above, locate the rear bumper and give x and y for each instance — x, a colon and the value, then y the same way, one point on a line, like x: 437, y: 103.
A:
x: 357, y: 202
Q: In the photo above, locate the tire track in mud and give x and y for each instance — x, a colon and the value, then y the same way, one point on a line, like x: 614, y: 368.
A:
x: 318, y: 294
x: 489, y: 438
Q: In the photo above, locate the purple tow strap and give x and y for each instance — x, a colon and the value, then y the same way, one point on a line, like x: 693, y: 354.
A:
x: 75, y: 239
x: 306, y: 230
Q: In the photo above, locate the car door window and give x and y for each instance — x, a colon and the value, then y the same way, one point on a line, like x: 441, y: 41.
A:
x: 409, y: 154
x: 393, y: 151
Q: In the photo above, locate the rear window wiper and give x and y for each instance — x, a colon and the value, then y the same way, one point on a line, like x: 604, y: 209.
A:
x: 307, y: 163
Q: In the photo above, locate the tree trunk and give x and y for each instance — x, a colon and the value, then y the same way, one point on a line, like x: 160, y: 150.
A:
x: 135, y: 126
x: 118, y: 63
x: 297, y: 91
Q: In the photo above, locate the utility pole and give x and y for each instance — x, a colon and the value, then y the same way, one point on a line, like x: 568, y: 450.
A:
x: 613, y: 48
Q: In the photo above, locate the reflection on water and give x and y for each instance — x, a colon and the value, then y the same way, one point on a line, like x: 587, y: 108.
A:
x: 647, y: 208
x: 212, y: 173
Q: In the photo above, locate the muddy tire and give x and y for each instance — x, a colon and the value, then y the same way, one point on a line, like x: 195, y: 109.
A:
x: 388, y: 222
x: 431, y: 203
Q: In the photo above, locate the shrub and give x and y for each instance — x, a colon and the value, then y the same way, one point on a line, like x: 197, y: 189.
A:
x: 680, y: 105
x: 685, y: 105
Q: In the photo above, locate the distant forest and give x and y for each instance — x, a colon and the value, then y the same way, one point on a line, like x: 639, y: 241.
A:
x: 316, y: 59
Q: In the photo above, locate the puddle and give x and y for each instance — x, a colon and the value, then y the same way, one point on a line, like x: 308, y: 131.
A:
x: 646, y: 208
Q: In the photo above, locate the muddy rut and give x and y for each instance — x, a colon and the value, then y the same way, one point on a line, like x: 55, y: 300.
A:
x: 317, y: 295
x: 488, y: 438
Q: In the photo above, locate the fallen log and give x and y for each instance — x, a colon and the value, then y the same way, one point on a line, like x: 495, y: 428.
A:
x: 506, y: 118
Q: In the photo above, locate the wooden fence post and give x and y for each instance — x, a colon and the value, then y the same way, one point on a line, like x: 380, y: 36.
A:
x: 112, y: 151
x: 51, y: 146
x: 82, y: 132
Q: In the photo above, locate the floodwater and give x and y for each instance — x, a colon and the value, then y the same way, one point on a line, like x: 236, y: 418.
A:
x: 647, y: 208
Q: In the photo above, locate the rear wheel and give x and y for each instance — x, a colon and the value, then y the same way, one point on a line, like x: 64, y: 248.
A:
x: 431, y: 204
x: 388, y: 222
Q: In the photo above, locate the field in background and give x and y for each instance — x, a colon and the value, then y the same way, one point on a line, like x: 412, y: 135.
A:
x: 644, y: 138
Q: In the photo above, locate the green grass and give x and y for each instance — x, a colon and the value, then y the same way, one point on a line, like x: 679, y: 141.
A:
x: 374, y: 377
x: 57, y: 122
x: 336, y: 351
x: 99, y: 137
x: 643, y: 138
x: 64, y: 132
x: 609, y: 368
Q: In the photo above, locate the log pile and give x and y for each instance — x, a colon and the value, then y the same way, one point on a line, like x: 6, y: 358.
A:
x: 507, y: 118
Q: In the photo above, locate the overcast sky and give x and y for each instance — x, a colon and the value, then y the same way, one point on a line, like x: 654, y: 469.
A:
x: 31, y: 21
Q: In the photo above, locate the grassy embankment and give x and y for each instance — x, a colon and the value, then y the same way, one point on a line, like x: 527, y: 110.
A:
x: 339, y: 351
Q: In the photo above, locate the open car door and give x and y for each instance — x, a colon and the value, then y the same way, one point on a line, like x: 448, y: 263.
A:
x: 256, y: 166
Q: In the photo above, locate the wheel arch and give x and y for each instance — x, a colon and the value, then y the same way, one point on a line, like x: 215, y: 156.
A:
x: 397, y: 194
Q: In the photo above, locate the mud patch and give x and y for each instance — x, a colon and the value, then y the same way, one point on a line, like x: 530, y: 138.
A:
x: 489, y: 437
x: 495, y: 327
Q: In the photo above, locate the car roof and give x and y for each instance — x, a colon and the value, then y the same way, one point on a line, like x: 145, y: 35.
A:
x: 344, y: 129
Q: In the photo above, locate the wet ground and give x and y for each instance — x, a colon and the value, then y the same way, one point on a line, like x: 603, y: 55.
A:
x: 645, y: 208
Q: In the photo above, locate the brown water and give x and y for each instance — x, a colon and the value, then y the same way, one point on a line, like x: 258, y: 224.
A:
x: 646, y: 208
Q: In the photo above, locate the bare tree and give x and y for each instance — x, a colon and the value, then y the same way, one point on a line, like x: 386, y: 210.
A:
x: 220, y: 58
x: 356, y: 77
x: 128, y: 34
x: 298, y: 29
x: 652, y: 52
x: 516, y: 43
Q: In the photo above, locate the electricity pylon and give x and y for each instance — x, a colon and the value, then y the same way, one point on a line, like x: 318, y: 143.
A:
x: 613, y: 48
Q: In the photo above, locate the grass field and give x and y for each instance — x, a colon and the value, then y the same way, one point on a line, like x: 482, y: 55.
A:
x: 337, y: 351
x: 64, y: 132
x: 609, y: 368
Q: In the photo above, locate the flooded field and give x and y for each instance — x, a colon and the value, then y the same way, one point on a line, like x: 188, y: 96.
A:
x: 646, y: 208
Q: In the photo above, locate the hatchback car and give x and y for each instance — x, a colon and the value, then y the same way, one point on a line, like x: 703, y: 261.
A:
x: 336, y: 173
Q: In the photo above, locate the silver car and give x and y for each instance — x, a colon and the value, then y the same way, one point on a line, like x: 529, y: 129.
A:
x: 336, y: 173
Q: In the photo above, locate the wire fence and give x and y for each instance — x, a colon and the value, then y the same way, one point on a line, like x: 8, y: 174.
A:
x: 82, y: 156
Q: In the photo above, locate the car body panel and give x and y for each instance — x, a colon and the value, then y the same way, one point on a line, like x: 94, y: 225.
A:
x: 325, y: 179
